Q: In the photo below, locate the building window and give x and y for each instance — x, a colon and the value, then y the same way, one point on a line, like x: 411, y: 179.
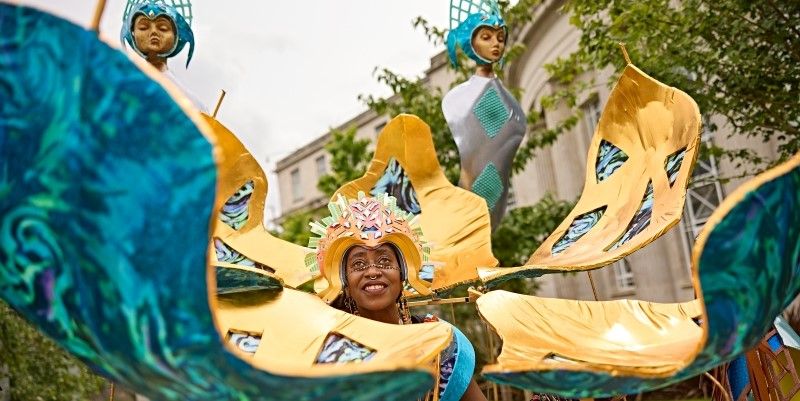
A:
x: 623, y: 276
x: 297, y: 191
x: 322, y: 166
x: 703, y: 196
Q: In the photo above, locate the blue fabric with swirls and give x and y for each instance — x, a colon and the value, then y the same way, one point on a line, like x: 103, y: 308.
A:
x: 578, y: 228
x: 104, y: 222
x: 395, y: 182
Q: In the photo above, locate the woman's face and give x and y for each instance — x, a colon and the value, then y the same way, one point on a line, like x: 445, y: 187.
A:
x: 153, y: 36
x: 373, y: 277
x: 489, y: 43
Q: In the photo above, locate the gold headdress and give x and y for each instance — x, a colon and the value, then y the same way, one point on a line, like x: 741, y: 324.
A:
x: 368, y: 221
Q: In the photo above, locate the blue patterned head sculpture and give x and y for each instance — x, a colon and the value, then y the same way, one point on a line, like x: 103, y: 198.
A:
x: 179, y: 13
x: 466, y: 17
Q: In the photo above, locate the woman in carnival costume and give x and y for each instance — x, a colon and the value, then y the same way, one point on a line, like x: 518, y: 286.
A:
x: 486, y: 121
x: 369, y: 254
x: 158, y: 31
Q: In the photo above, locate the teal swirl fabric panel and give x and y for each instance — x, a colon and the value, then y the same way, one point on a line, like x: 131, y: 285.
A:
x: 106, y: 194
x: 578, y: 228
x: 749, y: 272
x: 609, y: 159
x: 236, y: 210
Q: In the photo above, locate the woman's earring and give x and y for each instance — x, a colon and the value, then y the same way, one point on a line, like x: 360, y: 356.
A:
x: 350, y: 304
x: 402, y: 307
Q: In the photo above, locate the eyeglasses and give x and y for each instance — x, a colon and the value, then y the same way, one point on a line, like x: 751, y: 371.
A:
x: 360, y: 267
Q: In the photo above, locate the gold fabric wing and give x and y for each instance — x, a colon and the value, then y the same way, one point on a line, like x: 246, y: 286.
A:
x: 454, y: 221
x: 237, y: 167
x: 292, y: 328
x: 639, y: 165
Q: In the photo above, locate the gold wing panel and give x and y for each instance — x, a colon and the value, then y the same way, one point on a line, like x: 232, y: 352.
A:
x: 294, y: 325
x: 237, y: 166
x: 454, y: 221
x: 646, y: 124
x: 624, y: 337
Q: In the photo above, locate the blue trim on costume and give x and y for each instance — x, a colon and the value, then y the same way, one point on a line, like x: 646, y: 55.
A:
x: 157, y: 8
x: 462, y: 369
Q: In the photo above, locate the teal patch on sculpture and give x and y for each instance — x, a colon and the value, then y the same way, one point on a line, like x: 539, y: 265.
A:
x: 107, y: 191
x: 609, y: 159
x: 640, y: 220
x: 489, y: 185
x: 578, y: 228
x: 236, y: 210
x: 673, y: 165
x: 749, y: 269
x: 491, y: 112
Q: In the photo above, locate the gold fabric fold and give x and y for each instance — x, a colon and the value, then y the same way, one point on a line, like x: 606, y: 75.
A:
x: 237, y: 166
x: 623, y: 337
x: 293, y: 326
x: 454, y: 221
x: 649, y: 122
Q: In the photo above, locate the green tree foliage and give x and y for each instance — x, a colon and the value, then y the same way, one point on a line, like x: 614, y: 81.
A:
x: 38, y: 369
x: 295, y: 226
x: 349, y: 160
x: 737, y: 59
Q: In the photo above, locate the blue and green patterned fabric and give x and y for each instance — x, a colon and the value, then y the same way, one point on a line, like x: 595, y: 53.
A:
x: 340, y: 349
x: 578, y: 228
x: 236, y: 210
x: 640, y: 220
x: 395, y: 182
x: 106, y: 194
x: 234, y: 281
x: 609, y: 159
x: 749, y: 272
x: 673, y: 165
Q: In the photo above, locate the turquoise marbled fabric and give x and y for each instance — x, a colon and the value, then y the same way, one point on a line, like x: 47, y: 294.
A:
x: 749, y: 272
x: 106, y: 193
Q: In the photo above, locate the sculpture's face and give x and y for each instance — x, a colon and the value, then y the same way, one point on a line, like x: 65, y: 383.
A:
x: 373, y: 277
x: 154, y: 36
x: 489, y: 42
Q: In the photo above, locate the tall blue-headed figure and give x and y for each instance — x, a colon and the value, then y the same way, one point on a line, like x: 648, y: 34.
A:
x: 158, y: 31
x: 486, y: 121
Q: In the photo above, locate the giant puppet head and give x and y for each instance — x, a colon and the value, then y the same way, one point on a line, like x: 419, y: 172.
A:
x: 467, y: 17
x: 178, y: 14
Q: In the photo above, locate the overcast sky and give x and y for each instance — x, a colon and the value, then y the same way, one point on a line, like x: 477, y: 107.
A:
x: 292, y: 69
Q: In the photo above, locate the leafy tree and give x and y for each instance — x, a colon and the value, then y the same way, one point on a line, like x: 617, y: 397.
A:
x: 349, y: 160
x: 38, y: 369
x: 295, y: 226
x: 737, y: 59
x: 523, y: 229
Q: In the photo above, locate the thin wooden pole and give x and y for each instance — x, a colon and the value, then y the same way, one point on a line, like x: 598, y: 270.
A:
x: 111, y: 394
x: 98, y: 15
x: 625, y: 53
x: 219, y: 103
x: 718, y: 385
x: 594, y: 289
